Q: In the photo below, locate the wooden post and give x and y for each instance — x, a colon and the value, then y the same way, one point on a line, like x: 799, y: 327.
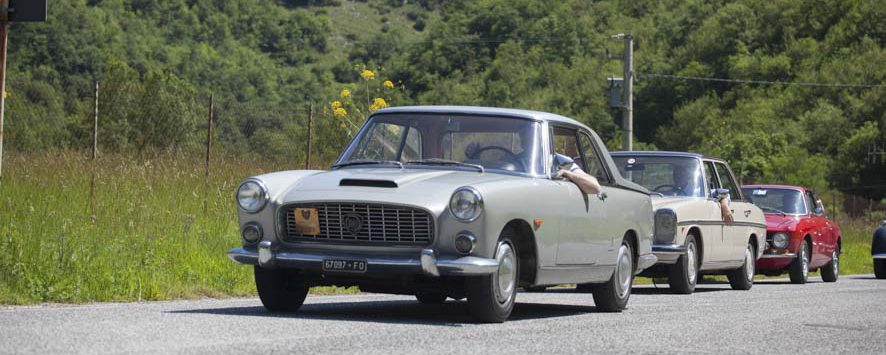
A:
x: 310, y: 123
x: 208, y: 154
x: 4, y: 30
x: 94, y: 149
x: 209, y: 137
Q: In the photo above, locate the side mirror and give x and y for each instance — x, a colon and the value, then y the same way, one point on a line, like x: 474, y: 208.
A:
x: 819, y: 210
x: 716, y: 193
x: 563, y: 162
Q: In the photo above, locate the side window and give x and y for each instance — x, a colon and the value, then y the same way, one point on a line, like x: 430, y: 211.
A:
x: 727, y: 182
x: 711, y: 176
x: 810, y: 202
x: 565, y: 143
x: 591, y: 161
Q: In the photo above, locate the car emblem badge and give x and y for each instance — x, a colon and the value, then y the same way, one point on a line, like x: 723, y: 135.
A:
x: 747, y: 213
x: 306, y: 214
x: 353, y: 223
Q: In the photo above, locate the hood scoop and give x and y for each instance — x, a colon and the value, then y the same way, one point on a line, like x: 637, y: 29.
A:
x: 367, y: 183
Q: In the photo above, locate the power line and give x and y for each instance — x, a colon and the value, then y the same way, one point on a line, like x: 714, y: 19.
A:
x: 759, y: 82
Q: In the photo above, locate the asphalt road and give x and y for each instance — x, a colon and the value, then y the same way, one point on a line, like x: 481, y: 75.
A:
x: 775, y: 317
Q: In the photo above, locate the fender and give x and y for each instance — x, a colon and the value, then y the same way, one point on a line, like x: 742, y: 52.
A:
x: 878, y: 245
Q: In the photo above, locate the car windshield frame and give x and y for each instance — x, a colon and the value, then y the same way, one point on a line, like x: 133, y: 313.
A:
x: 639, y: 162
x: 749, y: 193
x: 437, y: 130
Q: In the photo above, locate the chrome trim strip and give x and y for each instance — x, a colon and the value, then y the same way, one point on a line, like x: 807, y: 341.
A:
x: 669, y: 249
x: 719, y: 222
x: 779, y: 256
x: 879, y: 256
x: 468, y: 265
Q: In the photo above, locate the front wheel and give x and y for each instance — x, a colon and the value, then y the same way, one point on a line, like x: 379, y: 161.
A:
x: 799, y: 268
x: 491, y: 297
x: 682, y: 276
x: 880, y: 268
x: 613, y: 295
x: 743, y: 277
x: 831, y: 271
x: 279, y: 290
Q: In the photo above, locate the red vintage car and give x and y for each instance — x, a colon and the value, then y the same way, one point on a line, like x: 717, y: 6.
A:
x: 799, y: 236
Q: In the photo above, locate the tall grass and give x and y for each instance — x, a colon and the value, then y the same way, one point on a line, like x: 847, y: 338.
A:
x: 156, y: 229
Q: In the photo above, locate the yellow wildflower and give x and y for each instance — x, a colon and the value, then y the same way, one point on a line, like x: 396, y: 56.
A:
x: 340, y: 112
x: 389, y: 84
x: 5, y: 94
x: 380, y: 102
x: 335, y: 104
x: 345, y: 93
x: 367, y: 74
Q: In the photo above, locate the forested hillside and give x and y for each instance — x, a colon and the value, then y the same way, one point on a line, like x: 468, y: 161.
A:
x: 159, y: 60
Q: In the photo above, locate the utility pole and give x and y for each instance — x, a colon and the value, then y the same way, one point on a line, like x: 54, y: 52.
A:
x: 627, y: 123
x: 308, y: 144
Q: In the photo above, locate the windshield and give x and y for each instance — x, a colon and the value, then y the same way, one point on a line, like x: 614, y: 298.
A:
x: 668, y: 176
x: 498, y: 144
x: 776, y: 200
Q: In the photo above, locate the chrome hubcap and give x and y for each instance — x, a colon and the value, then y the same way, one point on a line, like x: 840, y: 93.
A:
x: 623, y: 272
x: 506, y: 277
x: 691, y: 263
x: 837, y: 262
x: 804, y: 259
x: 749, y: 263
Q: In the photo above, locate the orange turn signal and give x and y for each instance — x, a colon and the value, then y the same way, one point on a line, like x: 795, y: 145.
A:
x: 538, y: 222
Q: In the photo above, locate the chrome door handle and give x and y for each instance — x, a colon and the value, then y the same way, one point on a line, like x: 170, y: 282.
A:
x: 602, y: 196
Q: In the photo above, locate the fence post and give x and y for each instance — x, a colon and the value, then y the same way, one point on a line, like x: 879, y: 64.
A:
x: 310, y: 123
x: 208, y: 155
x: 94, y: 148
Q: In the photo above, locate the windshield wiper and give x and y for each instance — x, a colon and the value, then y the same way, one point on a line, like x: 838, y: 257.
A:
x: 369, y: 162
x: 447, y: 162
x: 773, y: 210
x: 657, y: 193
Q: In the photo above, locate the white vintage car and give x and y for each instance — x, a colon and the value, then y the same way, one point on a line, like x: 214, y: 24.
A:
x: 443, y: 201
x: 691, y: 236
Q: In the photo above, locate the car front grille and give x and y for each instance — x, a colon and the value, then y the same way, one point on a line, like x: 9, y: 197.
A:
x: 378, y: 224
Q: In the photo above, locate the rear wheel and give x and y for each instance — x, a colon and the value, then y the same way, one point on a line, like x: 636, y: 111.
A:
x: 682, y: 276
x: 880, y: 268
x: 613, y: 295
x: 279, y: 291
x: 799, y: 268
x: 491, y: 297
x: 743, y: 277
x: 831, y: 271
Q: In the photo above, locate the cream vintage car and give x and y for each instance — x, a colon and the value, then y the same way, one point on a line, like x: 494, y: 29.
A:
x: 459, y: 202
x: 691, y: 235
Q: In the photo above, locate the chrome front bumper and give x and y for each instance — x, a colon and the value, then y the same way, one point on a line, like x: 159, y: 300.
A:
x: 669, y: 249
x: 879, y: 256
x: 425, y: 262
x: 779, y: 256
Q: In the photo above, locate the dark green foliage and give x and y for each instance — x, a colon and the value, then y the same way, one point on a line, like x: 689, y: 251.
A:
x: 266, y: 60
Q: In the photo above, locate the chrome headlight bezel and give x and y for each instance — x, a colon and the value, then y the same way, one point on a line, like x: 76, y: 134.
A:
x: 469, y: 211
x: 780, y: 240
x: 665, y: 226
x: 261, y: 196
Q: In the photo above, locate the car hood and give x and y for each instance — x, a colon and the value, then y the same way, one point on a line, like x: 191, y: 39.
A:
x: 777, y: 222
x: 416, y: 187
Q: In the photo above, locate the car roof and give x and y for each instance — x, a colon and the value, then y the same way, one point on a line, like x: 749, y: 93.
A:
x: 480, y: 110
x: 662, y: 153
x: 774, y: 186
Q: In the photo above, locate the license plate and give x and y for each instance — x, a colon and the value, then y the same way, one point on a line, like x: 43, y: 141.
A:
x: 344, y: 265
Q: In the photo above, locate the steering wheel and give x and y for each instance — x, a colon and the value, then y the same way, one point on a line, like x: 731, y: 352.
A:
x: 508, y: 153
x: 673, y: 188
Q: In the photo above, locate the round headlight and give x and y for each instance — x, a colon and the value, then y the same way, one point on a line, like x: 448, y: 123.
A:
x: 780, y: 240
x: 252, y: 196
x: 466, y: 204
